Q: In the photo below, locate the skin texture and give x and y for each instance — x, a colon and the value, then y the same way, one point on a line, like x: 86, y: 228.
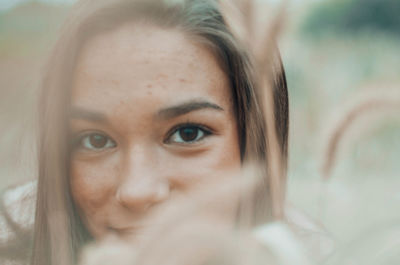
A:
x: 129, y: 158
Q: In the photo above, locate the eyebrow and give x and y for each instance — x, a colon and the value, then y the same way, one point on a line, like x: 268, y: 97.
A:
x: 85, y: 114
x: 166, y: 113
x: 186, y: 107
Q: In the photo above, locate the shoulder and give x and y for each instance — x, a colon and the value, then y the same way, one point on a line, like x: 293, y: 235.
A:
x: 17, y: 211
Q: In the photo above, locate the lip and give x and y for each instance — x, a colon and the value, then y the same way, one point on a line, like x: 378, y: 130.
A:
x: 123, y: 230
x: 132, y: 234
x: 127, y: 230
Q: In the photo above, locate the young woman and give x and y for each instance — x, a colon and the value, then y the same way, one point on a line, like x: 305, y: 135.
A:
x: 142, y: 100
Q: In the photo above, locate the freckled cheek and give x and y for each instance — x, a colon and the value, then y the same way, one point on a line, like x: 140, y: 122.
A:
x: 222, y: 158
x: 93, y: 185
x: 226, y: 152
x: 226, y: 157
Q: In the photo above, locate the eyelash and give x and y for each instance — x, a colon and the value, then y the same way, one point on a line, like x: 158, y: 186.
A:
x: 200, y: 128
x: 79, y: 141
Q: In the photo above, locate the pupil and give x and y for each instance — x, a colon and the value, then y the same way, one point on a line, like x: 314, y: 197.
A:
x: 98, y: 141
x: 189, y: 134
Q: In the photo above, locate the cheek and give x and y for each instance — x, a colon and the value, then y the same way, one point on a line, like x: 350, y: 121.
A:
x: 221, y: 159
x: 225, y: 157
x: 92, y: 185
x: 227, y: 151
x: 231, y: 156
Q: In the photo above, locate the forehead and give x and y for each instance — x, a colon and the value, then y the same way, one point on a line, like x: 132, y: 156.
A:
x: 136, y: 61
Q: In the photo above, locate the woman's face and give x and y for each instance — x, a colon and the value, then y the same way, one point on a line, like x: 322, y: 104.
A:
x: 152, y: 117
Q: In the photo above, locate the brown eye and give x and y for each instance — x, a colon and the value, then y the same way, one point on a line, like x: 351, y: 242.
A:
x: 188, y: 134
x: 97, y: 142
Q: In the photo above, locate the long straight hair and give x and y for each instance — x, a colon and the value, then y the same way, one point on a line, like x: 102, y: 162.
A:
x: 59, y: 232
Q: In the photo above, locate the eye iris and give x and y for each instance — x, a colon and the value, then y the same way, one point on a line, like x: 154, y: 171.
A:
x: 97, y: 140
x: 188, y: 134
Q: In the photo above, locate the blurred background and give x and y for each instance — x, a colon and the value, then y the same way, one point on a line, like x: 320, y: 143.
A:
x: 336, y: 53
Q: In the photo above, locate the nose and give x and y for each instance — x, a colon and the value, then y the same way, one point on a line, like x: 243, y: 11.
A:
x: 141, y: 195
x: 142, y: 186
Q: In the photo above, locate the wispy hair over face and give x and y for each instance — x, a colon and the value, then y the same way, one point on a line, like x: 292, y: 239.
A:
x: 262, y: 118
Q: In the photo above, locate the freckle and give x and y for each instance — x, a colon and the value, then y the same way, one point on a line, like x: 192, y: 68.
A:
x: 149, y: 86
x: 149, y: 93
x: 182, y: 80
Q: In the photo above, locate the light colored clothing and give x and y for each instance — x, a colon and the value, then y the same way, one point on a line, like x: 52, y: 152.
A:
x: 16, y: 221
